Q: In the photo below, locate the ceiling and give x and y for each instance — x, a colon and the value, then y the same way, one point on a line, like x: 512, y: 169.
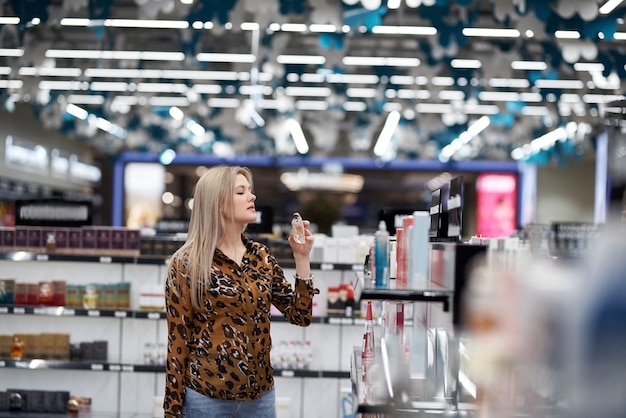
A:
x: 420, y: 62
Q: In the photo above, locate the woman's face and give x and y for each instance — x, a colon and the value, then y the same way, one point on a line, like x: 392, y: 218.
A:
x: 244, y: 211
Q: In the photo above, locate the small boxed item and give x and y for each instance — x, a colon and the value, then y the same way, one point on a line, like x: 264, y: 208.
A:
x: 7, y: 289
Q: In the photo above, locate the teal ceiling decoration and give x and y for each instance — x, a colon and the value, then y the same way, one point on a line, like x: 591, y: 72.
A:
x: 226, y: 77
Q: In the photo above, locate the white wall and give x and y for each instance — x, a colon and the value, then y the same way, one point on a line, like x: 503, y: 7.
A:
x: 566, y: 194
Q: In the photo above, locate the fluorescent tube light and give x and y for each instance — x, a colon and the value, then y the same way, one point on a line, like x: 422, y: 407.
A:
x: 352, y: 78
x: 509, y: 82
x: 567, y: 34
x: 162, y: 88
x: 77, y: 112
x: 308, y: 91
x: 548, y: 139
x: 609, y: 6
x: 49, y: 72
x: 476, y: 109
x: 63, y: 85
x: 116, y: 55
x: 90, y: 99
x: 389, y: 128
x: 619, y: 36
x: 168, y: 101
x: 491, y: 32
x: 156, y: 24
x: 223, y: 57
x: 207, y: 88
x: 451, y: 95
x: 108, y: 86
x: 318, y: 28
x: 126, y: 23
x: 529, y: 65
x: 354, y: 106
x: 9, y: 20
x: 301, y: 59
x: 176, y: 113
x: 559, y: 84
x: 312, y: 78
x: 589, y: 66
x: 534, y: 111
x: 11, y: 84
x: 442, y: 81
x: 437, y: 108
x: 249, y: 26
x: 11, y: 52
x: 405, y: 30
x: 311, y: 105
x: 75, y: 21
x: 382, y: 61
x: 298, y: 136
x: 498, y: 96
x: 465, y: 63
x: 5, y: 70
x: 223, y: 102
x: 402, y: 80
x: 531, y: 97
x: 409, y: 94
x: 361, y: 92
x: 393, y: 4
x: 293, y: 27
x: 464, y: 138
x: 392, y: 107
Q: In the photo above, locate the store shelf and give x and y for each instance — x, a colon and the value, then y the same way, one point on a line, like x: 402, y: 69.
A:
x: 23, y: 414
x: 156, y: 260
x: 77, y: 312
x: 38, y: 364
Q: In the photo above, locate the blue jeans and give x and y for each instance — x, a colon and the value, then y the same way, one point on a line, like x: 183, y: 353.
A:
x: 200, y: 406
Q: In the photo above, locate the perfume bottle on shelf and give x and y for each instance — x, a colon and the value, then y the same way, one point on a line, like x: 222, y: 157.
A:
x: 369, y: 347
x: 17, y: 348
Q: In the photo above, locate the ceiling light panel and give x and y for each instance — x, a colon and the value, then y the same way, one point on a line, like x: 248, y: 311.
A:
x: 301, y: 59
x: 223, y: 57
x: 491, y: 32
x: 405, y: 30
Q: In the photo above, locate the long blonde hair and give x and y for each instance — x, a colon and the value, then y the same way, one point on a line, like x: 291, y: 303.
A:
x: 213, y: 196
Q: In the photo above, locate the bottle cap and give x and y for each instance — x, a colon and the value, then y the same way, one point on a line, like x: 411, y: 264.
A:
x: 368, y: 314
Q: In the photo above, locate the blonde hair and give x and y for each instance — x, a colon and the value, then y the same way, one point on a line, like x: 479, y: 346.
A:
x: 213, y: 197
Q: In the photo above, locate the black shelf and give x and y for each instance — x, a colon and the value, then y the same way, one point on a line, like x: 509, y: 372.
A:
x: 409, y: 296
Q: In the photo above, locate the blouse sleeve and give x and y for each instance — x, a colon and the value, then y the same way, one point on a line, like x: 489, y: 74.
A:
x: 294, y: 302
x: 179, y: 313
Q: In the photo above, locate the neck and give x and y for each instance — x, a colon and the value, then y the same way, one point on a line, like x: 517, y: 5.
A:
x: 231, y: 239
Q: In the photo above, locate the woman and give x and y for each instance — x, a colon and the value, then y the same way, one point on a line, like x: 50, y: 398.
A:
x: 218, y: 292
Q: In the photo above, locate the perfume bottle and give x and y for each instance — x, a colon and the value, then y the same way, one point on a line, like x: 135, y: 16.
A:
x: 368, y: 350
x: 298, y: 229
x: 17, y: 348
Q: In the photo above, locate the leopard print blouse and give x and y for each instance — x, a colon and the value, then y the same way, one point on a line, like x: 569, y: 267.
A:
x: 223, y: 349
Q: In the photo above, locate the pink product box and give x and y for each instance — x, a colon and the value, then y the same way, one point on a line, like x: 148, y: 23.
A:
x: 7, y: 238
x: 103, y: 238
x: 74, y: 240
x: 35, y: 238
x: 61, y: 237
x: 21, y: 238
x: 88, y: 238
x: 118, y: 237
x: 132, y: 240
